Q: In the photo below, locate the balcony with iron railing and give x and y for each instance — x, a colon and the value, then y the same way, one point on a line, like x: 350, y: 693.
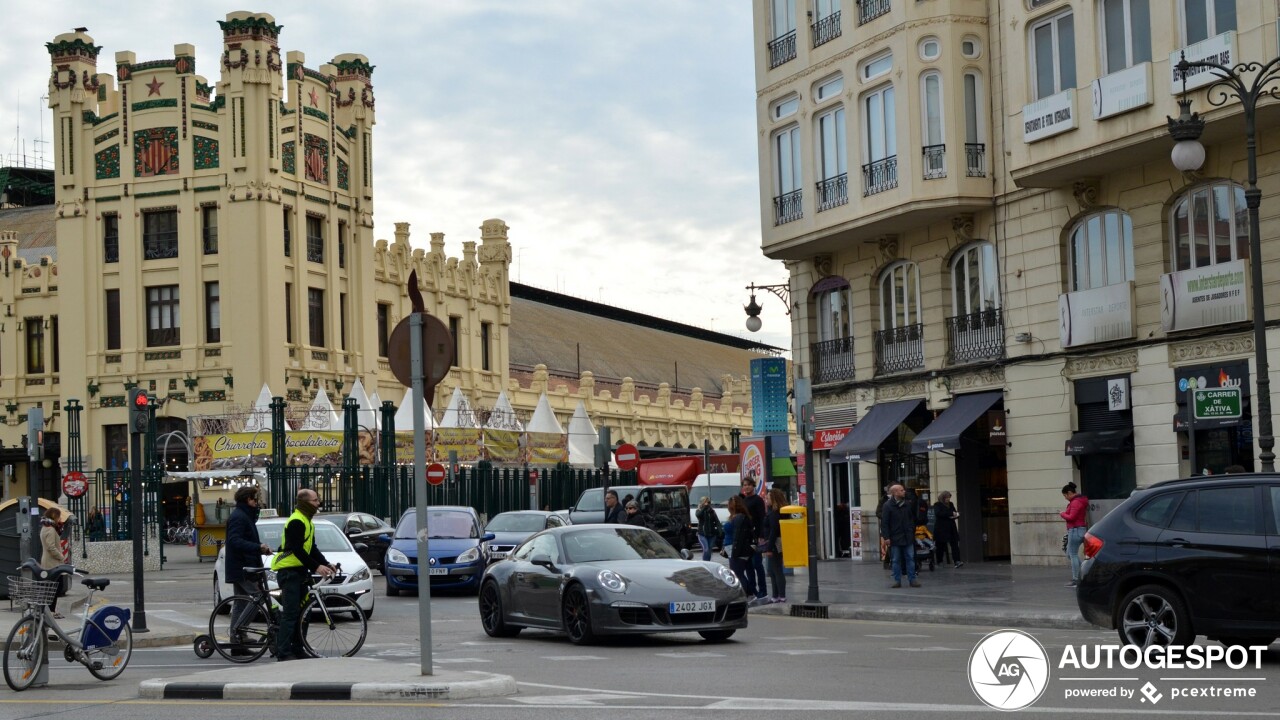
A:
x: 787, y: 207
x: 782, y: 49
x: 315, y: 249
x: 975, y: 337
x: 832, y: 360
x: 869, y: 10
x: 833, y: 192
x: 879, y: 176
x: 975, y: 159
x: 164, y: 337
x: 899, y: 349
x: 160, y: 245
x: 111, y: 249
x: 935, y: 161
x: 826, y: 29
x: 211, y: 241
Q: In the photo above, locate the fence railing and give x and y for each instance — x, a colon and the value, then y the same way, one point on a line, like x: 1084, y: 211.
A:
x: 782, y: 49
x: 880, y: 175
x: 869, y: 10
x: 899, y: 348
x: 935, y: 161
x: 787, y: 207
x: 826, y: 29
x: 975, y: 159
x: 832, y: 360
x: 833, y: 192
x: 976, y: 336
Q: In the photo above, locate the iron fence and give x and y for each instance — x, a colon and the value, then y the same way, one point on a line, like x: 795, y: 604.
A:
x: 975, y: 159
x: 976, y: 336
x: 869, y: 10
x: 900, y: 348
x: 935, y: 161
x: 832, y: 360
x: 782, y: 49
x: 880, y: 175
x: 787, y: 207
x: 826, y: 29
x: 833, y: 192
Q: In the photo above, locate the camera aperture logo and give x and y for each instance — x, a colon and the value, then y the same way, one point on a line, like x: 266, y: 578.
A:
x: 1008, y: 670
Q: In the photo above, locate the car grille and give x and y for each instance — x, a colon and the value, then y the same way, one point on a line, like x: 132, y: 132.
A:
x: 502, y: 548
x: 735, y: 611
x: 635, y: 616
x: 689, y: 618
x: 446, y: 560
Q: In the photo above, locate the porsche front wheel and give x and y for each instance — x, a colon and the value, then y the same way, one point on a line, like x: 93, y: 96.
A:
x: 576, y: 614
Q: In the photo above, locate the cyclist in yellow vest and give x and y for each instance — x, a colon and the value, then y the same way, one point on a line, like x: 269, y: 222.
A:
x: 297, y: 559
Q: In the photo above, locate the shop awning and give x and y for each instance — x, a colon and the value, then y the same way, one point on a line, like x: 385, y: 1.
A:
x: 1092, y: 442
x: 861, y: 442
x: 944, y: 432
x: 783, y: 467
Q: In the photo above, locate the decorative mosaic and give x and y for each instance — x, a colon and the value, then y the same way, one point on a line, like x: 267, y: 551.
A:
x: 153, y: 104
x: 106, y: 136
x: 218, y: 103
x: 107, y: 198
x: 110, y: 401
x: 155, y: 152
x: 213, y: 395
x: 150, y: 65
x: 317, y: 159
x: 343, y: 206
x: 344, y: 175
x: 184, y: 64
x: 204, y: 125
x: 203, y: 91
x: 288, y: 162
x: 341, y: 148
x: 250, y: 26
x: 106, y: 163
x: 271, y: 127
x: 317, y: 199
x: 113, y: 358
x: 206, y: 188
x: 162, y: 355
x: 204, y: 152
x: 313, y: 112
x: 289, y: 191
x: 76, y: 48
x: 293, y: 395
x: 213, y: 352
x: 157, y: 193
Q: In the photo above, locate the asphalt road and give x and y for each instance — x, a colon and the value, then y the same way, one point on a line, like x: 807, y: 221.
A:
x: 779, y: 667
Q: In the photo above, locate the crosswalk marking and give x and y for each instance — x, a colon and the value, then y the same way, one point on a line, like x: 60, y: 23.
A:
x: 679, y: 655
x: 789, y: 638
x: 903, y: 635
x: 459, y: 660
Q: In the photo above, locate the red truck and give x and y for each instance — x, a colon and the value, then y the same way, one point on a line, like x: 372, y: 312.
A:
x: 682, y: 469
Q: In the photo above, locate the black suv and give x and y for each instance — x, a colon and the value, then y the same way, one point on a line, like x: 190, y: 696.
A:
x: 665, y: 508
x: 1188, y: 557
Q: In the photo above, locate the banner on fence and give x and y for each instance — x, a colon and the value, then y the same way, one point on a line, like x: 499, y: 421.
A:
x: 404, y: 447
x: 302, y: 448
x: 547, y: 448
x: 464, y: 441
x: 502, y: 446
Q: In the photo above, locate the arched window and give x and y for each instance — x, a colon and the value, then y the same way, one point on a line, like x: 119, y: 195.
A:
x: 1210, y: 225
x: 935, y: 149
x: 900, y: 296
x: 835, y: 319
x: 1101, y: 250
x: 975, y: 284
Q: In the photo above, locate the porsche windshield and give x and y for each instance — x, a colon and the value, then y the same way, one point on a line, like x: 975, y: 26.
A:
x: 602, y: 544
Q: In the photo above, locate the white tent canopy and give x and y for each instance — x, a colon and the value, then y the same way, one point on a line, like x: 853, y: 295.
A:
x: 544, y: 420
x: 582, y: 437
x: 364, y: 410
x: 376, y: 403
x: 260, y: 417
x: 404, y: 414
x: 321, y: 416
x: 503, y: 416
x: 458, y: 414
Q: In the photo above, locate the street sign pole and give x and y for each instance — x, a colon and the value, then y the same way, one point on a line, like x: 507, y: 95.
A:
x: 1191, y: 427
x: 420, y: 488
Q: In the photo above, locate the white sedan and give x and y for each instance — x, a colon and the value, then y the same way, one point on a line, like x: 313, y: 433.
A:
x: 332, y: 543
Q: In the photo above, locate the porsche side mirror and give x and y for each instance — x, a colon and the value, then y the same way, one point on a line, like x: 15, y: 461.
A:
x: 543, y: 560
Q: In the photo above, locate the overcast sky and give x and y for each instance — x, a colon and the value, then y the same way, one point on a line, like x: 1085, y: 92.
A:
x: 616, y: 138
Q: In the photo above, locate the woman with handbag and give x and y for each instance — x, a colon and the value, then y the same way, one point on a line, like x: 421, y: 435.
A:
x: 1076, y: 516
x: 709, y: 529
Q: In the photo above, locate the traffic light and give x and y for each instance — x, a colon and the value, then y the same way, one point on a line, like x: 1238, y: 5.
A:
x: 139, y: 411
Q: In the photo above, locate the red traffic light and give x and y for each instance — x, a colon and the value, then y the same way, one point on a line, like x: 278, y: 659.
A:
x: 140, y: 399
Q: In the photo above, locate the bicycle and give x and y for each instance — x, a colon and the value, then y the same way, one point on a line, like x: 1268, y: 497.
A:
x: 326, y: 637
x: 105, y: 639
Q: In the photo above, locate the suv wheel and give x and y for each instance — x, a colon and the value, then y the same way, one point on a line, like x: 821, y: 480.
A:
x: 1154, y: 615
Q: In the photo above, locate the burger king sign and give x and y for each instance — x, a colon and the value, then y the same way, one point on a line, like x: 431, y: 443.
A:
x: 753, y: 461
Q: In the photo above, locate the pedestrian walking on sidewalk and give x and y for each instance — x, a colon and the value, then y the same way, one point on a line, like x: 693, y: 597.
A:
x: 709, y: 528
x: 754, y: 506
x: 885, y: 497
x: 742, y: 547
x: 293, y: 565
x: 945, y: 532
x: 771, y: 545
x: 1076, y: 516
x: 898, y: 528
x: 51, y: 552
x: 244, y: 549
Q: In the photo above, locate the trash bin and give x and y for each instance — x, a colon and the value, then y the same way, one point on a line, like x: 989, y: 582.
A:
x: 795, y: 536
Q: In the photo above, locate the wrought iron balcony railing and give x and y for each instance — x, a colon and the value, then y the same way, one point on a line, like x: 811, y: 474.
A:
x: 869, y: 10
x: 975, y: 159
x: 833, y: 192
x: 160, y: 246
x: 786, y: 207
x: 826, y: 29
x: 832, y: 360
x: 782, y: 49
x: 211, y: 241
x: 879, y: 176
x: 976, y: 336
x: 111, y: 249
x: 935, y: 161
x: 899, y: 349
x: 162, y: 337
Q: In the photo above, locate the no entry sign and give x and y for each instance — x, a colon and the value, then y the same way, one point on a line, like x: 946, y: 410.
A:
x: 435, y: 474
x: 627, y: 456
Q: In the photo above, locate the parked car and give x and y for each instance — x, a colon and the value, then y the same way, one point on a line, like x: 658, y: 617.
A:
x: 457, y: 546
x: 665, y: 508
x: 593, y: 580
x: 364, y: 528
x: 332, y: 543
x: 1186, y: 558
x: 512, y: 528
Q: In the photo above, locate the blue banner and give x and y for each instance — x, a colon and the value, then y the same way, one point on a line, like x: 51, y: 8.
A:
x: 768, y: 395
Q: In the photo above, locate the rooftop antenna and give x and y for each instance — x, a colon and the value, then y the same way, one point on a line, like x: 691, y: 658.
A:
x: 40, y: 142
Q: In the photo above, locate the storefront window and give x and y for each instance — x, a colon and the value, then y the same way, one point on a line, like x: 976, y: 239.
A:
x: 1221, y: 442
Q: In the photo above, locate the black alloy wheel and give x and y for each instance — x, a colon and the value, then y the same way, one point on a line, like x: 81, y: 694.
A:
x: 491, y: 613
x: 576, y: 615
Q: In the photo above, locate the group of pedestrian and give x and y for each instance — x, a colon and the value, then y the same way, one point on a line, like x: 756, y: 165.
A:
x: 622, y: 512
x: 753, y: 538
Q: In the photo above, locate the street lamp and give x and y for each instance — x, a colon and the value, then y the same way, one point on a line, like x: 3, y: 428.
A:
x: 1188, y: 154
x: 783, y: 291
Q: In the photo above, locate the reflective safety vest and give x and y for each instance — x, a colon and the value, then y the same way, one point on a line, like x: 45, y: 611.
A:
x: 284, y: 559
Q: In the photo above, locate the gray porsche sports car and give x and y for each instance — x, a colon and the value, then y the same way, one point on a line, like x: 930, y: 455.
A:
x: 592, y: 580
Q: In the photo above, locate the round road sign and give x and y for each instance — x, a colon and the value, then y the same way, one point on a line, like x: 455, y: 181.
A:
x: 627, y: 456
x: 75, y: 484
x: 435, y: 474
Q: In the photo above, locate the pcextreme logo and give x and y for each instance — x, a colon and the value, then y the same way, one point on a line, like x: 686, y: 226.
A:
x: 1008, y: 670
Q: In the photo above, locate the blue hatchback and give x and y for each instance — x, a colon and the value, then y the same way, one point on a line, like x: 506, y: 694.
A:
x: 458, y: 550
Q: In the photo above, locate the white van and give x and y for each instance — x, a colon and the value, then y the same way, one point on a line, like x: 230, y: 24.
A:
x: 717, y: 486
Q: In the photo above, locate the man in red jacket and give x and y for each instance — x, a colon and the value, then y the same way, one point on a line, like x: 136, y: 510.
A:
x: 1076, y: 516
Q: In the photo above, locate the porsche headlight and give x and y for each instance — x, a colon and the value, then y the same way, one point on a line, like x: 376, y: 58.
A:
x: 470, y: 556
x: 358, y: 576
x: 395, y: 556
x: 611, y: 581
x: 727, y: 576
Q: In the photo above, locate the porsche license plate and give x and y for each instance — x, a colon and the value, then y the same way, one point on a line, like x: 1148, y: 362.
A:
x: 438, y: 571
x: 695, y: 606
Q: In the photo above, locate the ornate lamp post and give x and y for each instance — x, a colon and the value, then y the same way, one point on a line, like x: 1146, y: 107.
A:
x: 1188, y: 155
x: 783, y: 291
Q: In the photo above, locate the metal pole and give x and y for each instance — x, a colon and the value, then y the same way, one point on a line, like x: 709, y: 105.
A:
x: 416, y: 362
x: 136, y: 529
x: 810, y: 478
x: 1191, y: 428
x: 1253, y: 198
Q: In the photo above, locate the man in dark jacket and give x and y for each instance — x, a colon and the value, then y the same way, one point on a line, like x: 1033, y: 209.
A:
x: 898, y: 526
x: 754, y: 505
x: 243, y: 549
x: 613, y: 509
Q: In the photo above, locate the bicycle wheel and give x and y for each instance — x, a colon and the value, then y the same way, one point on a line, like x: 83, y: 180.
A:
x: 339, y: 633
x: 24, y: 653
x: 255, y: 633
x: 107, y: 662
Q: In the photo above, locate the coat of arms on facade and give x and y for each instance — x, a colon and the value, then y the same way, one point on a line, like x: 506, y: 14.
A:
x: 155, y: 152
x: 316, y: 159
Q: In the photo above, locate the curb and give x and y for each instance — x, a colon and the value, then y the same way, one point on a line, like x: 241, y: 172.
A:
x: 425, y: 690
x: 147, y: 640
x: 928, y: 616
